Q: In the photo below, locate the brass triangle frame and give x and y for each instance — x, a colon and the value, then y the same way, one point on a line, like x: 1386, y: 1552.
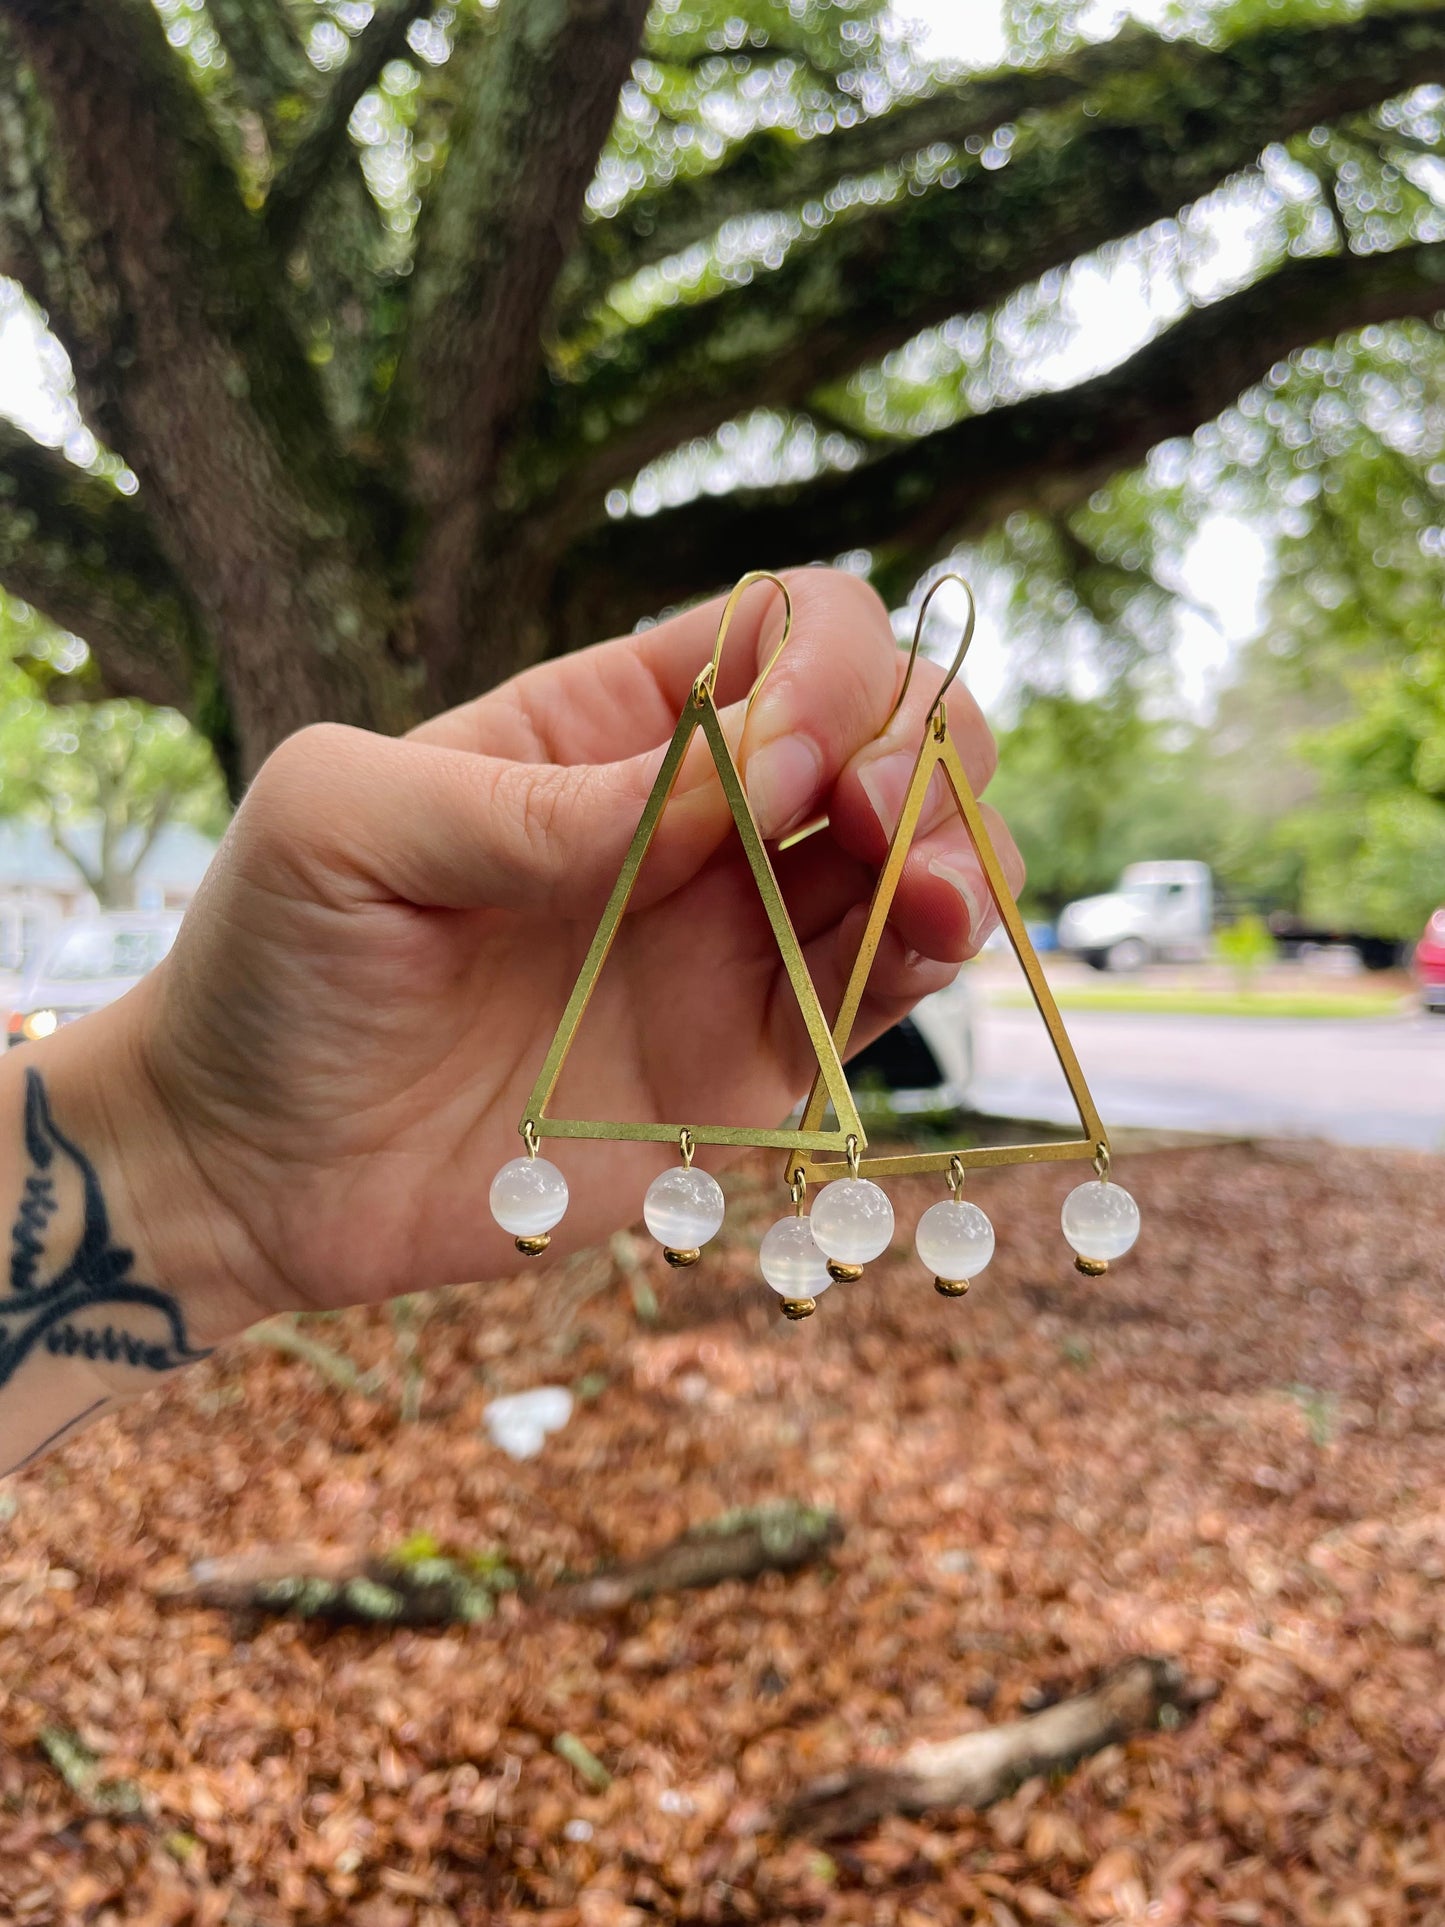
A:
x: 701, y: 713
x: 938, y: 752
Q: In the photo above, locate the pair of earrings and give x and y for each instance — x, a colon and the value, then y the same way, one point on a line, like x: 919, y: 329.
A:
x: 852, y: 1221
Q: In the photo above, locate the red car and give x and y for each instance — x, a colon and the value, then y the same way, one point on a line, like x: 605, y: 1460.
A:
x: 1430, y: 962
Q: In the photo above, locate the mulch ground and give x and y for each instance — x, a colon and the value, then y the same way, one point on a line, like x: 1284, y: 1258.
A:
x: 1231, y: 1450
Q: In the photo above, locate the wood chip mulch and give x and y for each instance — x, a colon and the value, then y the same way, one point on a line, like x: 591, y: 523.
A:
x: 1230, y: 1451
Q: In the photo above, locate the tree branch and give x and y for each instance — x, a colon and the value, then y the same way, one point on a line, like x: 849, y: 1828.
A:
x: 265, y: 50
x: 160, y: 815
x: 46, y: 243
x: 93, y: 879
x: 874, y: 277
x: 324, y: 144
x: 82, y: 553
x: 776, y: 168
x: 540, y: 92
x: 151, y: 201
x: 1046, y: 453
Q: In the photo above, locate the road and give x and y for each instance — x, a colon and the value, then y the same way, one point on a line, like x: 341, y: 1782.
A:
x: 1367, y: 1081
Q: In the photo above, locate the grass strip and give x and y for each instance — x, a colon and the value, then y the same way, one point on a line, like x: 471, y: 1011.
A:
x: 1215, y: 1003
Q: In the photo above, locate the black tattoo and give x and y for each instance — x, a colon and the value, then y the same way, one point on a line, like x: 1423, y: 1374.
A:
x: 75, y: 1296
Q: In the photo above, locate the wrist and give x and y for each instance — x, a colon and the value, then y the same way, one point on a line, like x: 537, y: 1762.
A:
x: 135, y: 1212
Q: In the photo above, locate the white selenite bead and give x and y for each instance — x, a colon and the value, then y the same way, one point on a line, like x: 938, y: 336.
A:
x: 954, y: 1240
x: 683, y: 1208
x: 791, y: 1261
x: 852, y: 1221
x: 528, y: 1197
x: 1100, y: 1221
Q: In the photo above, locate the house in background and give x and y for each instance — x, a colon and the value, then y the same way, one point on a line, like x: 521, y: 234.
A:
x: 39, y: 888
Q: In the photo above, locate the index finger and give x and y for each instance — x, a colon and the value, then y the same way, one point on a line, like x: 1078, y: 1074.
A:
x: 620, y: 698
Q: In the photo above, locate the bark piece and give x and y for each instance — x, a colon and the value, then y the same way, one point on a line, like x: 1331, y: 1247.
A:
x: 978, y: 1768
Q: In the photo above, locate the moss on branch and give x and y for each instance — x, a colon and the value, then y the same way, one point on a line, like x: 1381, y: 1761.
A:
x: 1047, y: 452
x: 776, y: 168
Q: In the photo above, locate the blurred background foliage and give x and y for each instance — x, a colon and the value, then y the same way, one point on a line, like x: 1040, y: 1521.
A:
x: 119, y: 768
x: 1049, y: 322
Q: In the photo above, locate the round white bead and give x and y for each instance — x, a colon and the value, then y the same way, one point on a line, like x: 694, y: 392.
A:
x: 791, y: 1261
x: 683, y: 1209
x: 852, y: 1221
x: 528, y: 1197
x: 1100, y: 1221
x: 954, y: 1240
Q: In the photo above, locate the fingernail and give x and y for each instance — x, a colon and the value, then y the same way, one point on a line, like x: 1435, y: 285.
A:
x: 929, y: 973
x: 885, y: 783
x: 785, y: 779
x: 981, y: 910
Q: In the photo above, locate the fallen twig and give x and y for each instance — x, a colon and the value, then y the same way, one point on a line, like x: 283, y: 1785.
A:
x: 978, y: 1768
x: 583, y: 1762
x: 771, y: 1538
x: 345, y: 1585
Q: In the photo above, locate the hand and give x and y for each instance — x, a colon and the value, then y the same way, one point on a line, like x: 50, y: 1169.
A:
x: 336, y: 1055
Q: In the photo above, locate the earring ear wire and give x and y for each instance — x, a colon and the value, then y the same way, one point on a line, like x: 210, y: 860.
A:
x: 970, y: 623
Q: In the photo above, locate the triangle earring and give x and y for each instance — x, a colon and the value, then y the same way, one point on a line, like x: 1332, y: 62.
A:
x: 684, y: 1207
x: 954, y: 1238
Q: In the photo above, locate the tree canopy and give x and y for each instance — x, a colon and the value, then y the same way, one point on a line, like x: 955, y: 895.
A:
x: 421, y: 340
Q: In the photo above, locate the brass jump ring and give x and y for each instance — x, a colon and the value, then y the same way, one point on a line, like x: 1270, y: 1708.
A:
x: 686, y: 1146
x: 529, y: 1136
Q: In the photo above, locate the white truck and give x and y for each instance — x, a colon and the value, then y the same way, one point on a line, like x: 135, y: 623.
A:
x: 1159, y: 912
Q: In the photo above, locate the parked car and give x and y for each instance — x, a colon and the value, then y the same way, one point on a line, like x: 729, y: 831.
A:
x: 1159, y: 912
x: 926, y: 1063
x: 89, y: 963
x: 1429, y: 965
